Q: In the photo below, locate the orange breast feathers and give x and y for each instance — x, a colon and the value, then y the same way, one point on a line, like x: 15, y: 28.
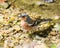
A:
x: 25, y: 25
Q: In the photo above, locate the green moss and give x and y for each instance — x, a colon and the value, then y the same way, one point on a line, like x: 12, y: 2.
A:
x: 53, y: 46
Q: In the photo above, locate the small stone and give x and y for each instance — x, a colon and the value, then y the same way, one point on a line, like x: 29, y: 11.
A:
x: 40, y: 46
x: 49, y: 1
x: 37, y: 46
x: 19, y: 46
x: 56, y: 17
x: 1, y: 37
x: 39, y: 3
x: 37, y: 37
x: 16, y: 27
x: 5, y: 5
x: 1, y: 18
x: 53, y: 33
x: 57, y: 27
x: 58, y: 45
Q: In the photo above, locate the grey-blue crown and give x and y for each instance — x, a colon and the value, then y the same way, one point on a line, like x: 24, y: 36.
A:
x: 22, y: 15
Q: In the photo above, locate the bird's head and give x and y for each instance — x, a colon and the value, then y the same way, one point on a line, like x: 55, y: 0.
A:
x: 23, y: 16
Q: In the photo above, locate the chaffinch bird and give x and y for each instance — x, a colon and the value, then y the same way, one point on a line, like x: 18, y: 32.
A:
x: 26, y: 22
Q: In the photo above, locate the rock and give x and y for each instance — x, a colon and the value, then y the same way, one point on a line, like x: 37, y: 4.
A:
x: 5, y: 5
x: 37, y: 46
x: 18, y: 46
x: 1, y: 18
x: 40, y: 4
x: 56, y: 17
x: 53, y: 33
x: 26, y: 46
x: 42, y: 45
x: 16, y: 27
x: 37, y: 37
x: 57, y: 27
x: 17, y: 35
x: 9, y: 42
x: 1, y: 37
x: 29, y: 44
x: 49, y: 1
x: 58, y: 45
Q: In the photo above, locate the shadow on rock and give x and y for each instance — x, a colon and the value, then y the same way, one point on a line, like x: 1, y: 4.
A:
x: 42, y: 33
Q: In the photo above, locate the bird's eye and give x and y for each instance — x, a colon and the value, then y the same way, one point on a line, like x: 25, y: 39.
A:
x: 23, y: 16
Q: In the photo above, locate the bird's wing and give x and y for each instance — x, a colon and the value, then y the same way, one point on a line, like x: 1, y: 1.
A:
x: 30, y: 24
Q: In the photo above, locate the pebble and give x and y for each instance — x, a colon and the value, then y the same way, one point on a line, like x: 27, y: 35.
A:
x: 56, y: 17
x: 48, y: 1
x: 1, y: 18
x: 58, y: 45
x: 18, y: 46
x: 5, y: 5
x: 53, y: 33
x: 57, y: 27
x: 39, y: 3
